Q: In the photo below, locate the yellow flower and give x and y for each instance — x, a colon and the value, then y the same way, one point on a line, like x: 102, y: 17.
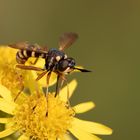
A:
x: 7, y: 70
x: 48, y: 118
x: 15, y: 79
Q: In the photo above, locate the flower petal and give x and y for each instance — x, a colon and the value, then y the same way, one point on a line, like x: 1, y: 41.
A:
x: 7, y: 107
x: 84, y: 107
x: 5, y: 120
x: 23, y: 137
x: 7, y: 132
x: 5, y: 93
x: 29, y: 80
x: 40, y: 63
x: 7, y: 52
x: 92, y: 127
x: 64, y: 92
x: 9, y: 124
x: 65, y: 137
x: 80, y: 134
x: 52, y: 80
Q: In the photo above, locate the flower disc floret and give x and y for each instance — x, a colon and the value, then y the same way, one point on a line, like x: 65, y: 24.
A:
x: 43, y: 117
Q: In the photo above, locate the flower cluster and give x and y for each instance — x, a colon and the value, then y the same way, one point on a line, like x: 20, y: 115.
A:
x: 36, y: 116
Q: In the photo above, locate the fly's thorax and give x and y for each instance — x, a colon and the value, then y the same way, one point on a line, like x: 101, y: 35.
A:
x: 52, y: 59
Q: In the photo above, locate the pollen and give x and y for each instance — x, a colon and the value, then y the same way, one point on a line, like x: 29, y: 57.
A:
x: 44, y: 118
x: 11, y: 78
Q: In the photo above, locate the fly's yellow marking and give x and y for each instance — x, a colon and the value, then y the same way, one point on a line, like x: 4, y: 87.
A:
x: 25, y: 53
x: 33, y: 54
x: 58, y: 58
x: 67, y: 70
x: 42, y: 55
x: 20, y: 54
x: 65, y: 56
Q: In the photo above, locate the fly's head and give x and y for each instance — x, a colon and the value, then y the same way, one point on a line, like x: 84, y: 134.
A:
x: 66, y: 65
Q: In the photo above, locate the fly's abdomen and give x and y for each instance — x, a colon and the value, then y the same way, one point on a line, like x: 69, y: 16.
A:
x: 23, y: 55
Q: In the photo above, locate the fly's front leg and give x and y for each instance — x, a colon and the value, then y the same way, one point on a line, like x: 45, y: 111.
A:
x: 18, y: 93
x: 47, y: 83
x: 57, y: 85
x: 60, y: 79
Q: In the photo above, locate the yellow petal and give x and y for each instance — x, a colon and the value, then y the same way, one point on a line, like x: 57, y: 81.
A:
x: 7, y: 132
x: 65, y: 137
x: 84, y: 107
x: 7, y: 107
x: 9, y: 53
x: 23, y: 137
x: 92, y: 127
x: 30, y: 81
x: 9, y: 124
x: 33, y: 85
x: 41, y: 63
x: 64, y: 92
x: 5, y: 93
x: 80, y: 134
x: 52, y: 80
x: 5, y: 120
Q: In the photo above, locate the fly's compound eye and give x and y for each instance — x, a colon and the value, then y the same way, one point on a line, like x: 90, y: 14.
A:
x: 63, y: 65
x: 66, y: 63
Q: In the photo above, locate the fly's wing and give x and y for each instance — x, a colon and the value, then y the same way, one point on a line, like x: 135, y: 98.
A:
x: 29, y: 47
x: 66, y: 40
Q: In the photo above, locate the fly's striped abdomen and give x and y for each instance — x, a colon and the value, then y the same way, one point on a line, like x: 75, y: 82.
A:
x: 23, y: 55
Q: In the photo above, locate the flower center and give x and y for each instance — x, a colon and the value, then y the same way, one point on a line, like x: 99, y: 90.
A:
x: 44, y: 118
x: 11, y: 78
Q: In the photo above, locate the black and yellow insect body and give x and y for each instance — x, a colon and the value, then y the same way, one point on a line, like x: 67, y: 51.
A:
x: 55, y: 59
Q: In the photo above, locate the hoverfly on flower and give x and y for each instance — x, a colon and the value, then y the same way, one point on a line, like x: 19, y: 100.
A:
x: 55, y: 59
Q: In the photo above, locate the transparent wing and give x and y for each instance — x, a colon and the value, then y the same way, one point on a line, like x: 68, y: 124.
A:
x: 29, y: 47
x: 66, y: 40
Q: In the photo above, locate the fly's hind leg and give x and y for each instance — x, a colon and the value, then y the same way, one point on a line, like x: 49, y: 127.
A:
x: 68, y: 94
x: 60, y: 80
x: 18, y: 93
x: 20, y: 79
x: 47, y: 89
x: 57, y: 86
x: 29, y: 67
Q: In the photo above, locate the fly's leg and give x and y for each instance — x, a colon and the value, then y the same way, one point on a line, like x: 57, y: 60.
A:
x: 18, y: 93
x: 48, y: 78
x: 29, y: 68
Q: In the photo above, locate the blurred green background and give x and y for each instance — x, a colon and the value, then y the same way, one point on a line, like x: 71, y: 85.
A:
x: 108, y: 44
